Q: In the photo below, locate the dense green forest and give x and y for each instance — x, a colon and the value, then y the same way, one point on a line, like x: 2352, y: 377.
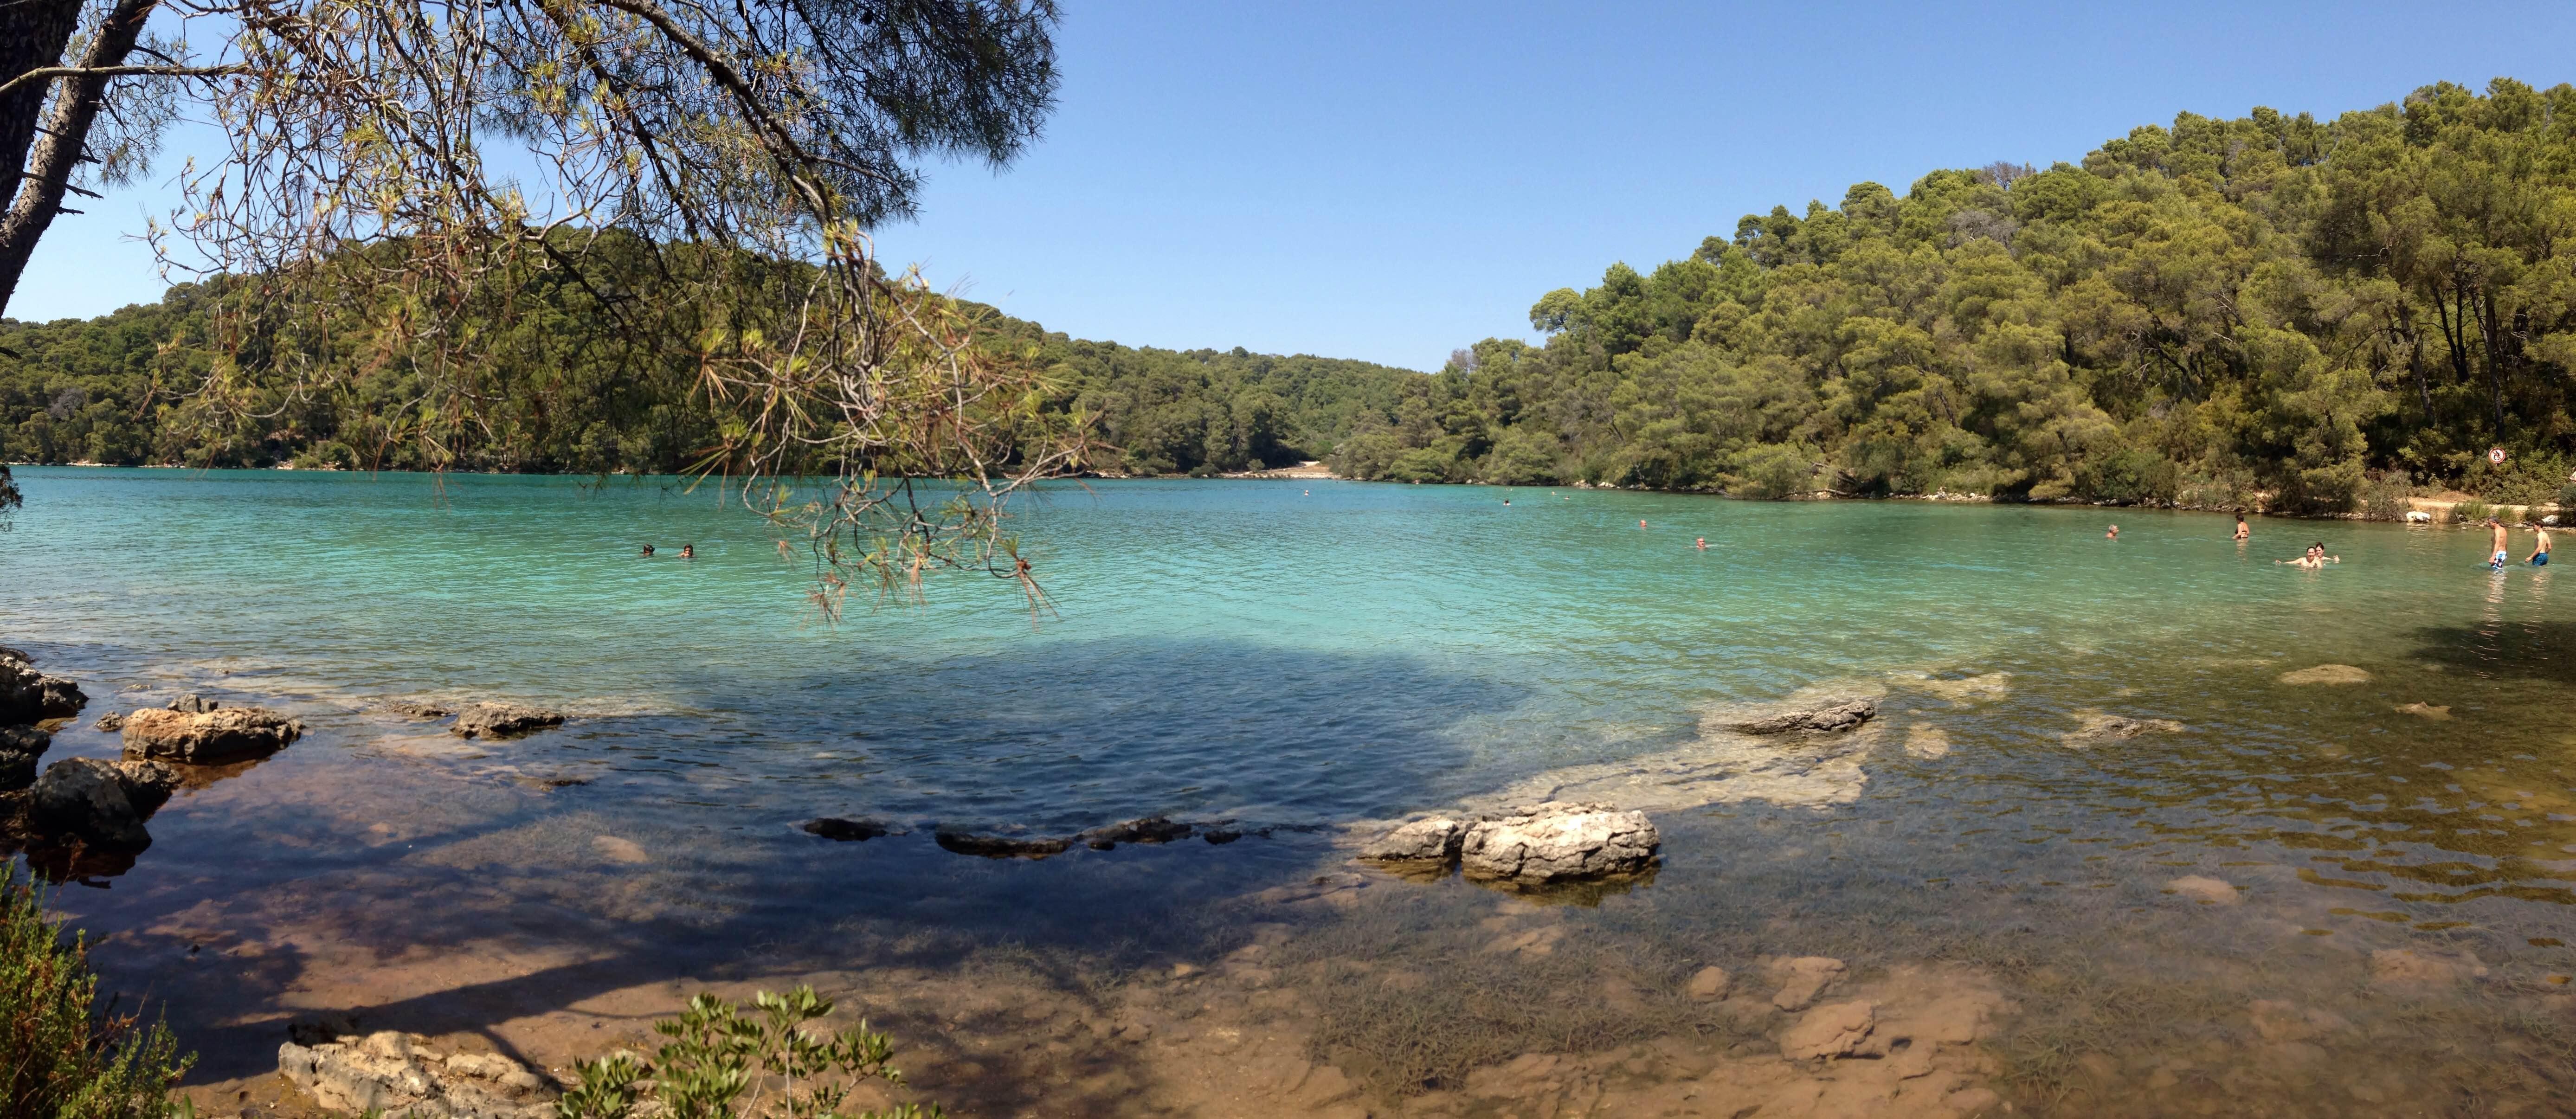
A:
x: 2309, y: 316
x: 2324, y: 314
x: 116, y: 390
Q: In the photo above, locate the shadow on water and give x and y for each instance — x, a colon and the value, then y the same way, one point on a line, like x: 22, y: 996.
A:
x: 427, y: 895
x: 2530, y: 650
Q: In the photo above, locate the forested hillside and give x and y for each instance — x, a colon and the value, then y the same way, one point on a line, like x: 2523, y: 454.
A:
x: 116, y: 390
x: 2325, y: 313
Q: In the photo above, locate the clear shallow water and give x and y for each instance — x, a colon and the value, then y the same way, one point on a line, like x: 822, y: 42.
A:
x: 1303, y: 654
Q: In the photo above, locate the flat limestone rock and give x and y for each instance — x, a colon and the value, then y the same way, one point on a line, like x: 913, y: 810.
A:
x: 2327, y: 674
x: 1422, y: 841
x: 1835, y: 1029
x: 1002, y: 846
x: 1841, y: 715
x: 396, y: 1076
x: 1710, y: 984
x: 1149, y: 829
x: 503, y: 720
x: 1559, y: 842
x: 2425, y: 710
x: 212, y: 737
x: 845, y: 831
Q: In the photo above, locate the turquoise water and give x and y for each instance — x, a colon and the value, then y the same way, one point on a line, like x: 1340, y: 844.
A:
x: 1301, y: 655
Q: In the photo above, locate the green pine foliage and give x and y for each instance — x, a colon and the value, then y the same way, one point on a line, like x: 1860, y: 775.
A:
x: 2270, y: 306
x: 62, y: 1056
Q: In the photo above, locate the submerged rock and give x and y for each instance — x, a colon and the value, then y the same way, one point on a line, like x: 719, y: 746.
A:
x: 1802, y: 978
x: 1001, y: 846
x: 20, y: 747
x: 1435, y: 840
x: 397, y: 1075
x: 2099, y: 727
x: 109, y: 723
x: 413, y: 708
x: 29, y: 696
x: 1559, y: 842
x: 1841, y: 715
x: 100, y: 803
x: 1149, y: 829
x: 2204, y: 889
x: 503, y: 720
x: 2426, y: 710
x: 194, y: 704
x: 845, y: 831
x: 211, y: 737
x: 2327, y: 674
x: 1710, y: 984
x: 1832, y: 1030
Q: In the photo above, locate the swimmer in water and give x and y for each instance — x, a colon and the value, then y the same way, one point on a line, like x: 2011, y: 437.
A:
x: 2496, y: 561
x: 2539, y: 556
x: 1702, y: 543
x: 688, y: 551
x: 648, y: 551
x: 1641, y: 524
x: 2242, y: 531
x: 2114, y: 534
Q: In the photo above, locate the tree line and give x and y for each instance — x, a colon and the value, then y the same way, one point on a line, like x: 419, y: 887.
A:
x: 2317, y: 316
x: 569, y: 397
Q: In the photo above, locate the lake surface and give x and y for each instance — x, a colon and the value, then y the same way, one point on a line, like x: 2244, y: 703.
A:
x: 1302, y: 658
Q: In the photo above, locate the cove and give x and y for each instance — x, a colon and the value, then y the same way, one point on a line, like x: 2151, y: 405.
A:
x: 1307, y: 660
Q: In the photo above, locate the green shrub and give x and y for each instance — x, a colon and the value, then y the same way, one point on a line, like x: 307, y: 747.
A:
x: 2129, y: 477
x: 2566, y: 498
x: 2471, y: 512
x: 1773, y: 472
x: 2384, y: 498
x: 61, y: 1056
x: 720, y: 1064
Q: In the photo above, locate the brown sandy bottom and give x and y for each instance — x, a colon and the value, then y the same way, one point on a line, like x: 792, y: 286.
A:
x: 1358, y: 993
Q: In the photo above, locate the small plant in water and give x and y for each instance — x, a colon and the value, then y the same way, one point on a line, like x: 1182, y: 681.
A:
x: 723, y: 1064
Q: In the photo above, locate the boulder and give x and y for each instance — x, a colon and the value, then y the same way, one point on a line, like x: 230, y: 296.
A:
x: 397, y: 1075
x: 1559, y: 842
x: 845, y: 831
x: 1149, y: 829
x: 29, y: 696
x: 1841, y: 715
x: 1001, y: 846
x: 212, y: 737
x: 109, y: 723
x: 503, y: 720
x: 1833, y: 1030
x: 19, y: 749
x: 1435, y: 840
x: 412, y: 708
x: 101, y: 803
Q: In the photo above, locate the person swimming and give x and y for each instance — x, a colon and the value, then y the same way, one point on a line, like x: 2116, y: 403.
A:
x: 2114, y: 534
x: 648, y: 552
x: 2312, y: 559
x: 688, y: 551
x: 1641, y: 523
x: 1701, y: 543
x: 2242, y: 529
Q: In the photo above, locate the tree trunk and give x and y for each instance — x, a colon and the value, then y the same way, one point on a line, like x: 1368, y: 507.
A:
x: 37, y: 160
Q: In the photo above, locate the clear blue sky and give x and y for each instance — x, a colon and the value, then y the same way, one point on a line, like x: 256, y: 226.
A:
x: 1391, y: 180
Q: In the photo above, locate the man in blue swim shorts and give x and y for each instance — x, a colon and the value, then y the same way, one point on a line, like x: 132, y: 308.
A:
x: 2540, y: 550
x: 2502, y: 546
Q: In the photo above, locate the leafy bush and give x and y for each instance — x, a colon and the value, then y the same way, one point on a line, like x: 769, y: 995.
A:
x: 1774, y: 472
x: 2471, y: 512
x: 2384, y: 498
x: 62, y: 1057
x: 720, y: 1064
x: 2567, y: 497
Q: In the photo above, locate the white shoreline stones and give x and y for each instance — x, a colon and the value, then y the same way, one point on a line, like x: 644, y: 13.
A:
x: 1534, y: 845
